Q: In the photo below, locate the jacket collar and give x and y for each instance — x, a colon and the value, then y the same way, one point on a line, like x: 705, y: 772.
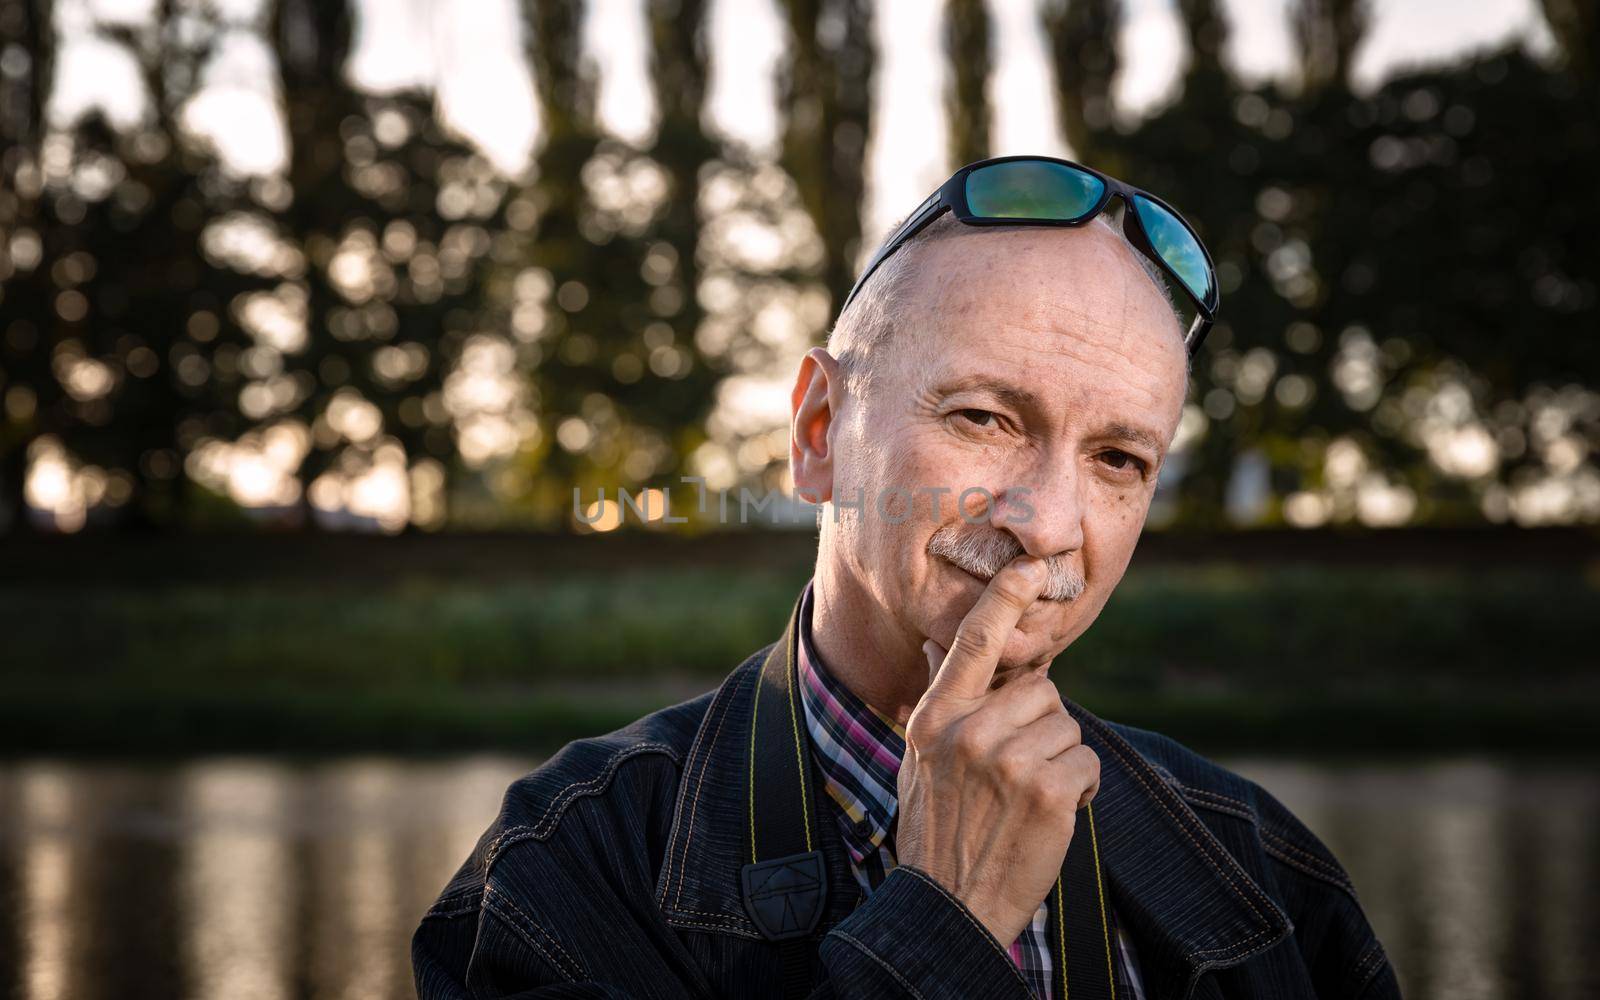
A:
x: 1190, y: 906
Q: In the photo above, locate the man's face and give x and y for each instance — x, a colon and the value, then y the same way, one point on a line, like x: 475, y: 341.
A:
x: 1041, y: 368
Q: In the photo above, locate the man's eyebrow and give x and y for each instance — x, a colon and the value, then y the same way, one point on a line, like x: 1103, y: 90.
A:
x: 1013, y: 396
x: 1128, y: 432
x: 1021, y: 399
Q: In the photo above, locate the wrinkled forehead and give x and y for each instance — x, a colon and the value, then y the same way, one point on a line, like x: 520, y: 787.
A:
x: 1068, y: 308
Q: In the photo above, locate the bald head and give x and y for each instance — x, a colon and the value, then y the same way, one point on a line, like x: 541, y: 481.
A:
x: 900, y: 286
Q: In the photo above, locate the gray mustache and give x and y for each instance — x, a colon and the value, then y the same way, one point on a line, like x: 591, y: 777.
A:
x: 983, y: 551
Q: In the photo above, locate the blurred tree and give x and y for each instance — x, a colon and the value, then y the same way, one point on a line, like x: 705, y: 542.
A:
x: 1176, y: 152
x: 27, y: 49
x: 1407, y: 279
x: 613, y: 261
x: 668, y: 256
x: 967, y: 50
x: 554, y: 216
x: 1576, y: 25
x: 1326, y: 33
x: 106, y: 361
x: 825, y: 87
x: 395, y: 221
x: 1083, y: 52
x: 1376, y: 253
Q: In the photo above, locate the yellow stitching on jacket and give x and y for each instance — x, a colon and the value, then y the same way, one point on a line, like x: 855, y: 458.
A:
x: 799, y: 756
x: 1100, y: 890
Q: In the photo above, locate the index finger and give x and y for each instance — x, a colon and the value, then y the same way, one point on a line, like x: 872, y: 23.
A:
x: 969, y: 668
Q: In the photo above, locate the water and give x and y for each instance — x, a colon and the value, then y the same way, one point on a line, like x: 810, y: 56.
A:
x: 259, y: 879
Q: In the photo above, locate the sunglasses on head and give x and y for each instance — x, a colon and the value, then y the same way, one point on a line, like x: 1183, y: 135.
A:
x: 1045, y: 191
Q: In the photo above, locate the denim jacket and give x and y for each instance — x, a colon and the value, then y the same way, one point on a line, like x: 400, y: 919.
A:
x: 613, y: 870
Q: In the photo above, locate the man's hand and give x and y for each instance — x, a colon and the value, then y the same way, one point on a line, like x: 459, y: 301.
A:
x: 992, y: 779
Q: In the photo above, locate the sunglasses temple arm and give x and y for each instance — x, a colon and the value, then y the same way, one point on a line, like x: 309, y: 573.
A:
x: 919, y: 220
x: 1197, y: 333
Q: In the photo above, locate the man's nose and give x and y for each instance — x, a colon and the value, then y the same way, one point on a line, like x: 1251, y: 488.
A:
x: 1045, y: 512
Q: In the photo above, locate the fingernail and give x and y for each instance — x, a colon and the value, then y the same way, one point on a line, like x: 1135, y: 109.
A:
x: 1032, y: 569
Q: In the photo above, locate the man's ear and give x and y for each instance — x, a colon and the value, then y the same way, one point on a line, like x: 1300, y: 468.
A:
x: 818, y: 392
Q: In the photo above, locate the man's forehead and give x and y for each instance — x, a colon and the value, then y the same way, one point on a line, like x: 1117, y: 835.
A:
x: 1087, y: 274
x: 1063, y: 313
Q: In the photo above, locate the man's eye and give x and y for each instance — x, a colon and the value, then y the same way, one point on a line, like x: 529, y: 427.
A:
x: 1123, y: 460
x: 983, y: 418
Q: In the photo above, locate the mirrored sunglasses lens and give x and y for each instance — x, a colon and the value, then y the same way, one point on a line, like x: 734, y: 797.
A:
x: 1032, y: 189
x: 1177, y: 246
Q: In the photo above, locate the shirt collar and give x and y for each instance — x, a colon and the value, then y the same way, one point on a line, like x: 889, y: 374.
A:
x: 857, y: 749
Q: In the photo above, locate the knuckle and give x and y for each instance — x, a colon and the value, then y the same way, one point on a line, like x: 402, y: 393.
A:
x: 1047, y: 795
x: 969, y: 743
x: 973, y: 639
x: 1043, y: 688
x: 1013, y: 766
x: 1091, y: 759
x: 920, y: 729
x: 1011, y: 590
x: 1089, y: 763
x: 1074, y: 731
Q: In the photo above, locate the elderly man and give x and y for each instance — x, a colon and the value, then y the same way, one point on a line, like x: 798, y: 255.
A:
x: 893, y: 799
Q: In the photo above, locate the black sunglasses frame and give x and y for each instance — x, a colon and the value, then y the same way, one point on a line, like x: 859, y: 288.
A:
x: 952, y: 196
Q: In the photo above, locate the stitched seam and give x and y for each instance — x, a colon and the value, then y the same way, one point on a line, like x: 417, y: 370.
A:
x: 1375, y: 957
x: 1329, y: 871
x: 1228, y: 807
x: 456, y: 902
x: 1319, y: 867
x: 1299, y: 866
x: 553, y: 812
x: 588, y: 787
x: 699, y: 785
x: 1133, y: 767
x: 694, y: 805
x: 573, y: 970
x: 891, y: 970
x: 1224, y: 954
x: 677, y: 819
x: 460, y: 911
x: 734, y: 929
x: 966, y: 914
x: 1368, y: 959
x: 1325, y: 869
x: 1219, y: 809
x: 1319, y: 876
x: 1218, y: 796
x: 732, y: 919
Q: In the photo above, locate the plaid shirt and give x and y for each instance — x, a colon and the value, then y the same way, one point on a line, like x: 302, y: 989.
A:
x: 858, y: 752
